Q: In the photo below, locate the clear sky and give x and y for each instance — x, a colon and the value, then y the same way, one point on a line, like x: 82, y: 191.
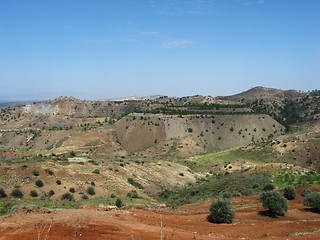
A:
x: 99, y: 49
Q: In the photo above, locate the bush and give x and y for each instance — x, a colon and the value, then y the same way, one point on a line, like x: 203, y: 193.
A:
x: 268, y: 187
x: 226, y: 195
x: 16, y: 193
x: 35, y: 172
x: 33, y: 193
x: 134, y: 183
x: 72, y: 190
x: 289, y: 193
x: 119, y: 203
x: 49, y: 171
x: 96, y: 171
x: 84, y: 197
x: 133, y: 194
x: 275, y: 202
x: 2, y: 193
x: 51, y: 193
x: 67, y: 196
x: 91, y: 191
x: 221, y: 212
x: 312, y: 199
x: 58, y: 182
x: 39, y: 183
x: 306, y: 191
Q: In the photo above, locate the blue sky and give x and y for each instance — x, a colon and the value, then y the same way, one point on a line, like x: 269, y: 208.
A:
x: 99, y: 49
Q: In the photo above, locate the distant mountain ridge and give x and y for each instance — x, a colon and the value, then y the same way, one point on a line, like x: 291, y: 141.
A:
x: 264, y: 93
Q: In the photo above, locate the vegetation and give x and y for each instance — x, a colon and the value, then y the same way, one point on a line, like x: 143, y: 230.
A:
x: 33, y: 193
x: 58, y: 182
x: 312, y: 199
x: 96, y: 171
x: 135, y: 184
x: 119, y: 203
x: 221, y: 211
x: 39, y: 183
x: 35, y: 172
x: 16, y: 193
x: 91, y: 191
x: 2, y: 193
x: 49, y: 171
x: 289, y: 193
x: 67, y: 196
x: 275, y: 202
x: 72, y: 190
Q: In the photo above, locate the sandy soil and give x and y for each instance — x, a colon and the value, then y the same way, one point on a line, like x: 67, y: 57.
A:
x: 187, y: 222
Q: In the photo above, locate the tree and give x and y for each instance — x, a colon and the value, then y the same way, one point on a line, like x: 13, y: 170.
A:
x: 275, y: 202
x: 119, y: 203
x: 289, y: 193
x: 312, y: 199
x: 221, y: 211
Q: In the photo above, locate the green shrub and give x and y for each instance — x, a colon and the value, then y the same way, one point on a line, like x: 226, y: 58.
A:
x: 72, y: 190
x: 306, y: 191
x: 49, y: 171
x: 35, y: 172
x: 221, y: 212
x: 51, y: 193
x: 67, y: 196
x: 96, y: 171
x: 132, y: 194
x: 33, y: 193
x: 134, y: 183
x: 119, y: 203
x: 275, y: 202
x: 39, y: 183
x: 84, y: 197
x: 312, y: 199
x: 91, y: 191
x: 113, y: 195
x: 58, y: 182
x: 289, y: 193
x: 2, y: 193
x: 16, y: 193
x: 268, y: 187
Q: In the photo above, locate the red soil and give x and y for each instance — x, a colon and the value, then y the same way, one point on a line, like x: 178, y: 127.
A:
x: 187, y: 222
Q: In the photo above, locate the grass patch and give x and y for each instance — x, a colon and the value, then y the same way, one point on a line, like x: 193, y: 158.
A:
x: 303, y: 233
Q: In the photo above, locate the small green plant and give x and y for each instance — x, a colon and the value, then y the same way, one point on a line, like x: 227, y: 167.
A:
x: 33, y: 193
x: 91, y: 191
x: 16, y: 193
x: 84, y: 197
x: 72, y: 190
x: 113, y: 195
x: 58, y: 182
x: 133, y: 194
x: 289, y: 193
x: 190, y: 130
x: 181, y: 174
x: 275, y: 202
x: 67, y: 196
x: 49, y: 171
x: 221, y: 212
x: 72, y: 154
x: 2, y: 193
x: 39, y: 183
x: 96, y: 171
x: 119, y: 203
x: 312, y: 199
x: 35, y: 172
x: 51, y: 193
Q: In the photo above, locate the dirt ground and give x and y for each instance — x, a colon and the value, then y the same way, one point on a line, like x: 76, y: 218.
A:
x: 186, y: 222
